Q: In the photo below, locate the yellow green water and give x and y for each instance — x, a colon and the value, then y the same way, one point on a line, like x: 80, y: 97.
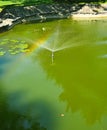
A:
x: 53, y: 76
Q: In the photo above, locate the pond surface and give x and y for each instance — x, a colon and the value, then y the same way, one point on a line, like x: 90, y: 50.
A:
x: 53, y: 76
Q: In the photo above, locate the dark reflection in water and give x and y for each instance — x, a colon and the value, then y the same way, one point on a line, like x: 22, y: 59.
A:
x: 3, y: 60
x: 31, y: 116
x: 83, y: 79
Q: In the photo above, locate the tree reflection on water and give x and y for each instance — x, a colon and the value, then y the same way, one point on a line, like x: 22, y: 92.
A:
x: 83, y: 79
x: 13, y: 119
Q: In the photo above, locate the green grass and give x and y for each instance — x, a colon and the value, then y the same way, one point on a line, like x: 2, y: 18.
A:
x: 33, y: 2
x: 4, y: 3
x: 25, y: 2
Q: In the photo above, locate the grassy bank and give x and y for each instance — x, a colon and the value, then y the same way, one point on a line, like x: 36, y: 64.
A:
x: 4, y: 3
x: 25, y: 2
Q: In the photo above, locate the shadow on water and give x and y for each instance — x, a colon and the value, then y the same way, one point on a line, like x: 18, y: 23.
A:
x: 36, y: 115
x: 82, y: 77
x: 3, y: 61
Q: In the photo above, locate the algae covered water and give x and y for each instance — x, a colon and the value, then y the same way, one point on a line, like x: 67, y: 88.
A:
x: 53, y: 76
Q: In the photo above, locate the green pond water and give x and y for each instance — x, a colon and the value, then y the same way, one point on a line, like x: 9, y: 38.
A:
x: 53, y: 76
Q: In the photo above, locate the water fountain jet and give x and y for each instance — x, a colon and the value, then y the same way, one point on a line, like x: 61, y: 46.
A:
x: 52, y: 57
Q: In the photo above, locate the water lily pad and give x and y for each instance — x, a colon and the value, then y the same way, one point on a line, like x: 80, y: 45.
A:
x: 22, y: 41
x: 5, y: 39
x: 17, y: 51
x: 26, y: 50
x: 3, y: 42
x: 2, y: 53
x: 10, y: 50
x: 13, y: 53
x: 14, y: 46
x: 22, y: 46
x: 14, y: 41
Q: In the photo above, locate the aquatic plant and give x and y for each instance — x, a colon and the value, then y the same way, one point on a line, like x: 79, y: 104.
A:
x: 13, y: 46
